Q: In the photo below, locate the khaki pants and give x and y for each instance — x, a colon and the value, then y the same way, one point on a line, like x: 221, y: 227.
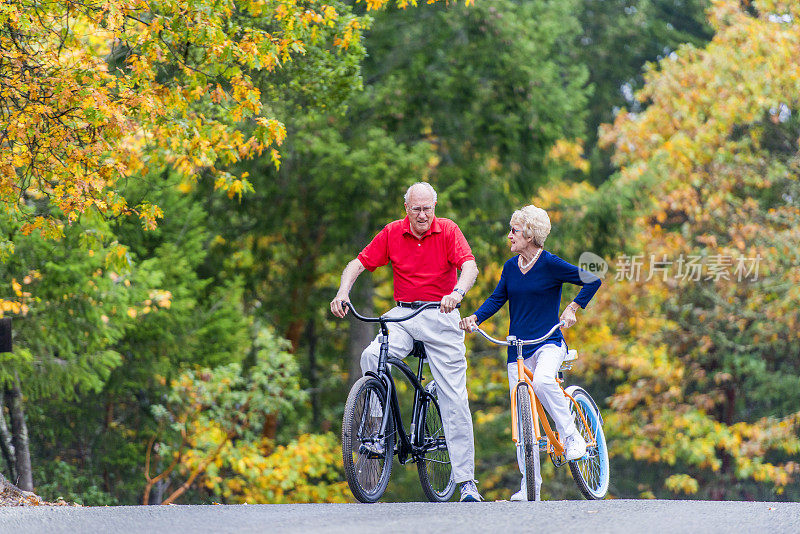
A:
x: 444, y: 345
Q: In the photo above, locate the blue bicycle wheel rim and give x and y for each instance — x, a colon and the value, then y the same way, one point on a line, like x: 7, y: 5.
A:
x: 595, y: 469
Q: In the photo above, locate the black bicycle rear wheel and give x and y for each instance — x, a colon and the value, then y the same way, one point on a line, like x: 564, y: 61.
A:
x: 367, y: 471
x: 526, y: 442
x: 433, y: 466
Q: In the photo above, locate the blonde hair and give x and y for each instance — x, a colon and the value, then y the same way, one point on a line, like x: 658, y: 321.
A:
x: 534, y: 223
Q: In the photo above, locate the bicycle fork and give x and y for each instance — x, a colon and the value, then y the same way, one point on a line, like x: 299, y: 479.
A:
x: 522, y: 373
x: 382, y: 370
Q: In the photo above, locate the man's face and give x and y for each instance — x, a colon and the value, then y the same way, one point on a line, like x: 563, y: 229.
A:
x: 420, y: 208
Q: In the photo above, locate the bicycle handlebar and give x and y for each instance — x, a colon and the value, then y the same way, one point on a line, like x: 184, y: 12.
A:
x: 416, y: 312
x: 512, y: 340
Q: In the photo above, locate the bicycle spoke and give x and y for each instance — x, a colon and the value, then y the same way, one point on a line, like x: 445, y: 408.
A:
x: 434, y: 463
x: 367, y: 470
x: 591, y: 471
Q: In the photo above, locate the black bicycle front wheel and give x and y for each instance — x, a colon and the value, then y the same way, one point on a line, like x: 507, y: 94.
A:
x: 367, y: 459
x: 433, y: 465
x: 525, y: 437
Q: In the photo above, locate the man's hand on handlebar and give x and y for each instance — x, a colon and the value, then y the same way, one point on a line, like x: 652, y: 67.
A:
x: 337, y: 305
x: 449, y: 302
x: 469, y: 324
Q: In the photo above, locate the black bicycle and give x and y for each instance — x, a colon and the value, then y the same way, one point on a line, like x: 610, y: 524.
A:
x: 373, y: 430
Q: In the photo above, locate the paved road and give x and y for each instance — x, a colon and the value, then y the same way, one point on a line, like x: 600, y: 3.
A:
x: 572, y: 517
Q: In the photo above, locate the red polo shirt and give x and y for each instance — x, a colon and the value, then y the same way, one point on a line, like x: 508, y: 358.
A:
x: 424, y: 269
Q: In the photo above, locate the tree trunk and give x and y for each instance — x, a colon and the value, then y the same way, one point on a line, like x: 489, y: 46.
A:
x: 5, y: 441
x: 19, y: 438
x: 159, y: 489
x: 730, y: 405
x: 361, y: 333
x: 270, y: 430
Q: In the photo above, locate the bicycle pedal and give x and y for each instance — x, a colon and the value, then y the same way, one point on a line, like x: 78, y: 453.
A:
x: 371, y: 453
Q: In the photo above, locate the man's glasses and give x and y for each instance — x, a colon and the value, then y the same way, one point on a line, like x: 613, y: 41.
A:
x: 416, y: 210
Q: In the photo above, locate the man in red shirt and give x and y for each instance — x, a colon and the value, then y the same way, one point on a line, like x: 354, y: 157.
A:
x: 426, y: 252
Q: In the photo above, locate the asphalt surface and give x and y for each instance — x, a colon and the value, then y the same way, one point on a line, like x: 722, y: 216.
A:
x: 572, y: 517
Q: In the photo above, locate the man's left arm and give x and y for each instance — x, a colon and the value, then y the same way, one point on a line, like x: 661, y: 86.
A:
x: 469, y: 273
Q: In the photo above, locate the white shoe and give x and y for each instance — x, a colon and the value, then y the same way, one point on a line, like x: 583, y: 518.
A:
x: 522, y: 494
x: 575, y: 447
x: 469, y: 492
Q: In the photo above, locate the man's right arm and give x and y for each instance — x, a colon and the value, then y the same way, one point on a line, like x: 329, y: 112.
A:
x: 349, y: 275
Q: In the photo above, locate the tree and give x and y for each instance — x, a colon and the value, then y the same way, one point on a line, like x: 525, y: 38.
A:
x: 95, y: 93
x: 71, y: 310
x: 706, y: 365
x: 218, y: 419
x: 446, y: 100
x: 619, y: 38
x: 487, y: 87
x: 100, y: 101
x: 181, y: 320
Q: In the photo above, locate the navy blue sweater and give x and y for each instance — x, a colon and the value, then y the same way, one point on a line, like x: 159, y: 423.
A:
x: 534, y: 298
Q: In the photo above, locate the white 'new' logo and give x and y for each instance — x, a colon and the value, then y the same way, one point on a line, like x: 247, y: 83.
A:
x: 592, y: 263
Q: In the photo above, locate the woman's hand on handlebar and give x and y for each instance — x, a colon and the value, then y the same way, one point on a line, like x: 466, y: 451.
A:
x: 468, y: 324
x: 337, y: 305
x: 568, y: 317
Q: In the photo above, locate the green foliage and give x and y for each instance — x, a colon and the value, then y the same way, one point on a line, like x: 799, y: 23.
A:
x: 66, y: 482
x: 234, y: 397
x: 204, y: 323
x: 168, y: 344
x: 706, y: 383
x: 178, y: 319
x: 214, y: 420
x: 488, y: 89
x: 73, y: 307
x: 619, y: 38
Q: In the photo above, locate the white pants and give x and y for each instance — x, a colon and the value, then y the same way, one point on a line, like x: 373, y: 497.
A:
x: 545, y: 363
x: 444, y: 346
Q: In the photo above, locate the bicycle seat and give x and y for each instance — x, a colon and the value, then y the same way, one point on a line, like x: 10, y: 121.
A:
x: 566, y: 365
x: 419, y: 350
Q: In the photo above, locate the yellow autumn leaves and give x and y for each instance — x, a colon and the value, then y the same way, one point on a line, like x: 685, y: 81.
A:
x: 84, y: 108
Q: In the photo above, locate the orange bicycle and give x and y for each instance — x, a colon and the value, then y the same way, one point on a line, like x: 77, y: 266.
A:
x: 591, y: 472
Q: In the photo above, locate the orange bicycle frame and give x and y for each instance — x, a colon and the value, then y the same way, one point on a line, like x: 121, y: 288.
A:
x: 554, y: 445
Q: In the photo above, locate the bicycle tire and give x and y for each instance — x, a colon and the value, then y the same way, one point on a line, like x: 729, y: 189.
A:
x: 367, y: 474
x: 591, y: 473
x: 433, y: 466
x: 525, y: 434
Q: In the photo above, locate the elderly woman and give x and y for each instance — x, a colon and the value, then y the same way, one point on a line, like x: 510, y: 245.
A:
x: 531, y: 283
